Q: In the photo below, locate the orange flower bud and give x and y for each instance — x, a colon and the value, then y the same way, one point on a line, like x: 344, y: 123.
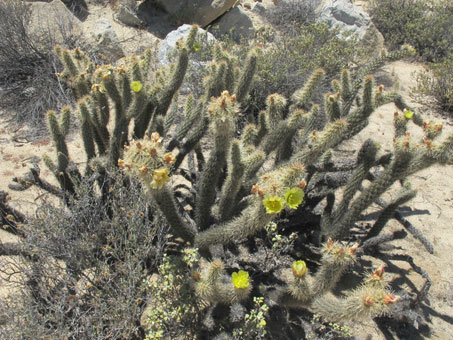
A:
x: 302, y: 185
x: 169, y: 159
x: 368, y: 301
x: 353, y: 249
x: 390, y: 299
x: 329, y: 243
x: 196, y: 276
x: 144, y: 169
x: 378, y: 274
x: 156, y: 138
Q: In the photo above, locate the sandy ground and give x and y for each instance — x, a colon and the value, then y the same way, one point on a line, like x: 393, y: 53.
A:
x: 431, y: 211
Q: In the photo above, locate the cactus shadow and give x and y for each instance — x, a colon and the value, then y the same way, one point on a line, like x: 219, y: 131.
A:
x: 393, y: 329
x: 79, y: 8
x: 405, y: 211
x: 412, y: 320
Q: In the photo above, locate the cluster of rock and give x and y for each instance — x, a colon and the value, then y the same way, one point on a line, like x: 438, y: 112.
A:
x: 164, y: 18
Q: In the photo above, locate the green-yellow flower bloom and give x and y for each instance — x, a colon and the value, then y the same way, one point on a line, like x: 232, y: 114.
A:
x: 136, y: 86
x: 273, y: 204
x: 160, y: 177
x: 299, y: 268
x: 294, y: 197
x: 196, y: 47
x: 240, y: 279
x: 408, y: 114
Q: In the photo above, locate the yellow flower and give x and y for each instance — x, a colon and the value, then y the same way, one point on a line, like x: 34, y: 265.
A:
x: 196, y: 47
x: 160, y: 177
x: 106, y: 74
x: 240, y: 279
x: 136, y: 86
x: 299, y: 268
x: 273, y: 204
x: 294, y: 197
x: 408, y: 114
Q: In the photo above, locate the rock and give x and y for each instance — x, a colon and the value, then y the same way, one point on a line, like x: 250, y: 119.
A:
x: 55, y: 18
x: 201, y: 12
x: 258, y: 8
x: 235, y: 23
x: 347, y: 17
x: 167, y: 46
x: 127, y: 16
x: 344, y: 14
x: 108, y: 45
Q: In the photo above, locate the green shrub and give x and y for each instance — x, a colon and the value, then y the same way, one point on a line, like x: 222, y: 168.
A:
x: 287, y: 15
x: 286, y: 63
x: 438, y: 83
x: 426, y: 25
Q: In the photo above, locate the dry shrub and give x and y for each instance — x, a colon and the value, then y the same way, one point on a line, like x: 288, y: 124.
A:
x: 84, y: 269
x: 28, y: 85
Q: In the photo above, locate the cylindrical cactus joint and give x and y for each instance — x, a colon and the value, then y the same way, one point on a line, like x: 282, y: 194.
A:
x: 148, y: 160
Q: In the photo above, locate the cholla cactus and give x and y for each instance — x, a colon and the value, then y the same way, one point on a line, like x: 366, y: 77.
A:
x: 277, y: 166
x: 369, y: 300
x: 147, y: 160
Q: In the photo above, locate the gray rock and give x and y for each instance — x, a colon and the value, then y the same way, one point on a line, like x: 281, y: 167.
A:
x: 107, y: 43
x: 235, y: 23
x: 127, y: 16
x: 344, y: 14
x: 201, y: 12
x: 349, y: 18
x: 258, y: 8
x: 168, y: 45
x: 54, y: 18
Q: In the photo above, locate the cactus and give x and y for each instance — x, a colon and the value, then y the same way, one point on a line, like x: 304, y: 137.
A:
x: 278, y: 166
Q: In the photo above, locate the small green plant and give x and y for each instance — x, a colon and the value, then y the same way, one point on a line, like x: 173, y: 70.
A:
x: 287, y: 15
x: 426, y: 25
x: 329, y: 330
x: 173, y: 309
x: 254, y: 322
x: 279, y: 242
x: 283, y: 69
x: 437, y: 82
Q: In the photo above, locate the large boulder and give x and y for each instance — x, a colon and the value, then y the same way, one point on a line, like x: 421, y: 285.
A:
x: 55, y: 18
x: 168, y: 45
x: 201, y: 12
x: 235, y: 23
x: 344, y: 14
x: 127, y: 16
x: 108, y: 45
x: 349, y: 18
